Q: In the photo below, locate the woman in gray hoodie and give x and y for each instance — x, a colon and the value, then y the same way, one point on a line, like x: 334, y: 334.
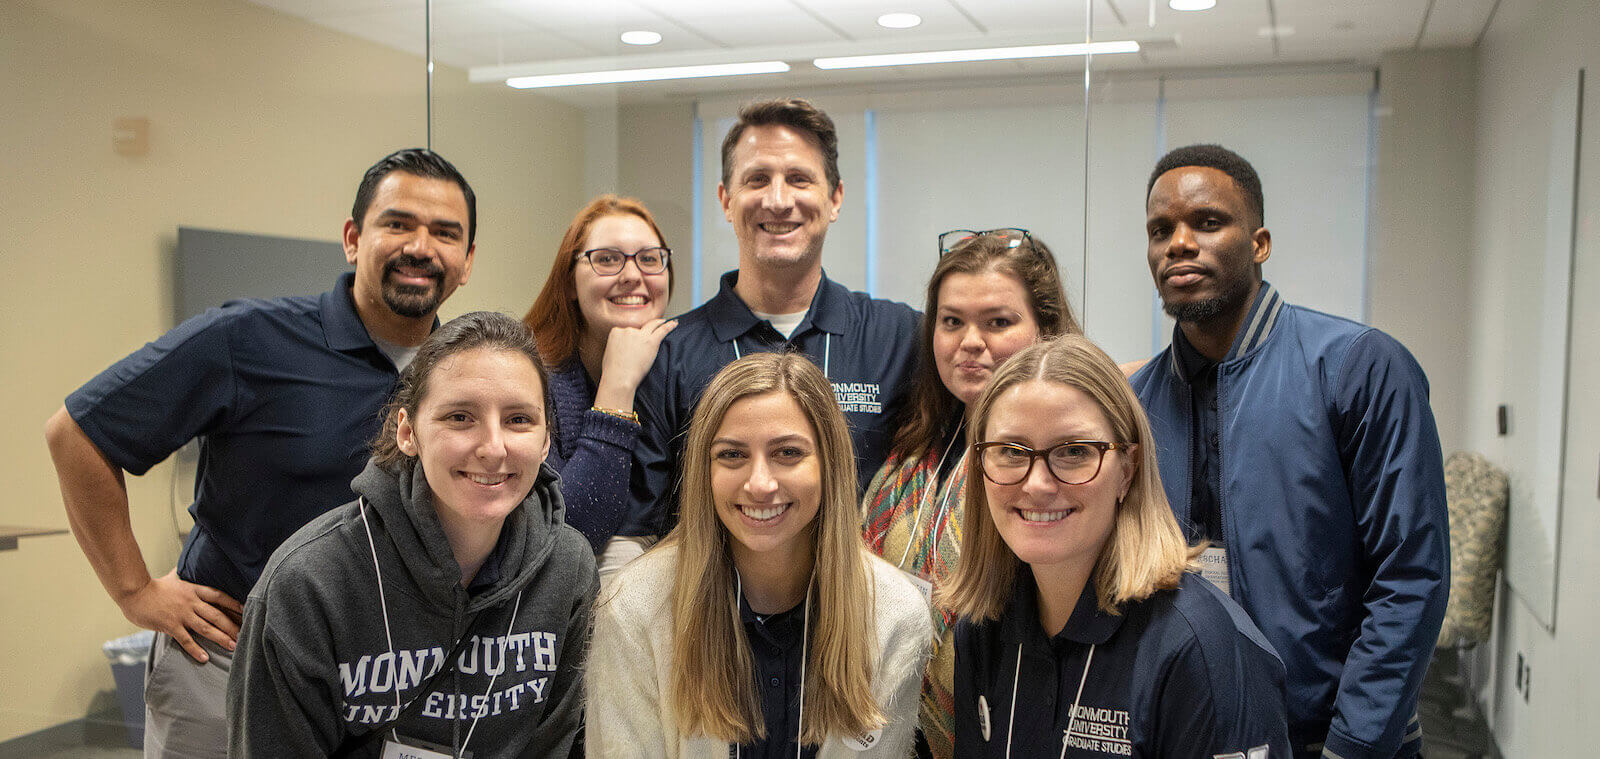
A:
x: 446, y: 609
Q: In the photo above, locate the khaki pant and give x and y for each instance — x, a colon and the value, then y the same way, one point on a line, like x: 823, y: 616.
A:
x: 185, y: 711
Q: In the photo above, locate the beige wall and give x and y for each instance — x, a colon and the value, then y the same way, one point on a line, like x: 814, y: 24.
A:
x: 259, y: 123
x: 656, y: 165
x: 1522, y: 66
x: 1420, y: 264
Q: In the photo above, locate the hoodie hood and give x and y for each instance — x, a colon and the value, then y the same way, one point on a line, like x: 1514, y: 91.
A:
x: 404, y: 503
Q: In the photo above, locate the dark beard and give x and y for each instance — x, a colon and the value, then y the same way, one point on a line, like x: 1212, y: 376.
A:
x: 1195, y: 312
x: 1232, y: 298
x: 412, y: 301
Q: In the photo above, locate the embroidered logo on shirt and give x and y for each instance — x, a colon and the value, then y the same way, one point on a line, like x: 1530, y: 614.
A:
x: 1101, y: 730
x: 858, y: 397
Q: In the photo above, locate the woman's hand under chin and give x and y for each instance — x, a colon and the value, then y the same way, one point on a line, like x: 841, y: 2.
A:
x: 629, y: 353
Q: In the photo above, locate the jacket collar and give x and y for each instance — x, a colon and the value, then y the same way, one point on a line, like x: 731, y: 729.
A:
x: 1253, y: 331
x: 730, y: 317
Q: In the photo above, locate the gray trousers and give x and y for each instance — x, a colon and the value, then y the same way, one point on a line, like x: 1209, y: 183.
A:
x: 185, y: 702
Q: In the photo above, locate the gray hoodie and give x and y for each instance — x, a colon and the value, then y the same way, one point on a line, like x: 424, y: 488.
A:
x: 318, y: 664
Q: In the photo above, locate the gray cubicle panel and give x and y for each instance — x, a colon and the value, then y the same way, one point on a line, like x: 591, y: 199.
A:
x: 214, y: 267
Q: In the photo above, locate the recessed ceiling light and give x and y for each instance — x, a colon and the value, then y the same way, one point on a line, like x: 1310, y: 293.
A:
x: 647, y: 75
x: 640, y: 37
x: 899, y: 20
x: 983, y: 54
x: 1281, y: 30
x: 1191, y: 5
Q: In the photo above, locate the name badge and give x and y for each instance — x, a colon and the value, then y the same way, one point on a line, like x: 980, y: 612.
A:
x: 983, y: 717
x: 924, y: 585
x: 394, y: 749
x: 863, y: 741
x: 1214, y: 567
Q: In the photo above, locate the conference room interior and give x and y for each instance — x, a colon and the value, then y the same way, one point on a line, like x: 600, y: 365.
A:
x: 1429, y: 168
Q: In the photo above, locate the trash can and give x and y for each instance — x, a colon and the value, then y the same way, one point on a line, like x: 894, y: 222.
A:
x: 128, y: 656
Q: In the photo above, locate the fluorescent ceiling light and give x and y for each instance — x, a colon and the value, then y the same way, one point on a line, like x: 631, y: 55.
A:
x: 640, y: 37
x: 647, y: 75
x: 899, y: 20
x: 979, y: 54
x: 1191, y: 5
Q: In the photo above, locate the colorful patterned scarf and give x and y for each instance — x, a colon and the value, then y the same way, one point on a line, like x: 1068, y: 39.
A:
x: 926, y: 544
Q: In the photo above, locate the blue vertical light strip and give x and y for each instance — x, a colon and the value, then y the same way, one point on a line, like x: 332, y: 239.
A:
x: 696, y: 198
x: 1156, y: 335
x: 1372, y: 201
x: 871, y: 198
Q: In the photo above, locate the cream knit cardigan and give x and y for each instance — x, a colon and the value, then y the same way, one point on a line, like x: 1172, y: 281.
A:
x: 628, y: 681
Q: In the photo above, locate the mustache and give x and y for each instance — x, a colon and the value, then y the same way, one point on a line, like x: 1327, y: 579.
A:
x: 427, y: 266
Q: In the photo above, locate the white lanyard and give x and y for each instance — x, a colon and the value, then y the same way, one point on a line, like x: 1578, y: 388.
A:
x: 1072, y: 716
x: 389, y: 639
x: 805, y: 630
x: 827, y: 352
x: 944, y: 502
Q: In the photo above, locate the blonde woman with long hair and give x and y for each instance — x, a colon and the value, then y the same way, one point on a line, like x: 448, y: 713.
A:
x: 1084, y: 630
x: 760, y: 626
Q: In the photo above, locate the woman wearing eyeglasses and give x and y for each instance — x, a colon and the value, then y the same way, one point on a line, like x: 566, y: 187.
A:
x: 598, y: 322
x: 1084, y: 629
x: 991, y: 294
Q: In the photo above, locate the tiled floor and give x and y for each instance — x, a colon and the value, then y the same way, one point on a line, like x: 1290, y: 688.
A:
x: 1452, y: 728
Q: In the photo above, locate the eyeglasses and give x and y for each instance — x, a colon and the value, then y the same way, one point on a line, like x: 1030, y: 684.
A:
x: 609, y: 261
x: 956, y: 237
x: 1074, y: 462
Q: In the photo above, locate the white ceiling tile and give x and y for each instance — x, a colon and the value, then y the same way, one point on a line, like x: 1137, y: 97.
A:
x: 1456, y: 23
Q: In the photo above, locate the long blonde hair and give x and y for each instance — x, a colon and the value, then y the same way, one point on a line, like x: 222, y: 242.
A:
x: 713, y: 677
x: 1146, y: 550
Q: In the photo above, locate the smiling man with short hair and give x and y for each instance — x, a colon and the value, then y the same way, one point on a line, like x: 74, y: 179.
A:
x: 780, y: 191
x: 284, y: 396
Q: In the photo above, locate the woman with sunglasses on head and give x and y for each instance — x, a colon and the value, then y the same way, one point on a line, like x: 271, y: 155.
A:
x: 446, y: 611
x: 992, y: 294
x: 1084, y: 629
x: 598, y: 322
x: 760, y: 626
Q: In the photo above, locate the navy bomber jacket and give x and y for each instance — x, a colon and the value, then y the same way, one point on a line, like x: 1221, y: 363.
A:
x: 1333, y: 513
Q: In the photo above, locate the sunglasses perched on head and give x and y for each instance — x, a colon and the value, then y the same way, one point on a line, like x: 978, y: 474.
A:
x: 955, y: 238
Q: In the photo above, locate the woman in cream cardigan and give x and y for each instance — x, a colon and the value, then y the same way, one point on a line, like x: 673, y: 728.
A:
x: 760, y: 626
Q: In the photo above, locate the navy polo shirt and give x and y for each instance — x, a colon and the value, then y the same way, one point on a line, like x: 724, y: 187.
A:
x: 1183, y: 673
x: 284, y: 396
x: 776, y: 650
x: 866, y: 347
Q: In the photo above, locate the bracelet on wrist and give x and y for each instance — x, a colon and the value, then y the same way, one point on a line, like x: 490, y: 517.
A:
x: 632, y: 416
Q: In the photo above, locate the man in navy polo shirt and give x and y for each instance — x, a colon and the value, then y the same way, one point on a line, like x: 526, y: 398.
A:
x: 284, y: 396
x: 1302, y: 446
x: 780, y: 190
